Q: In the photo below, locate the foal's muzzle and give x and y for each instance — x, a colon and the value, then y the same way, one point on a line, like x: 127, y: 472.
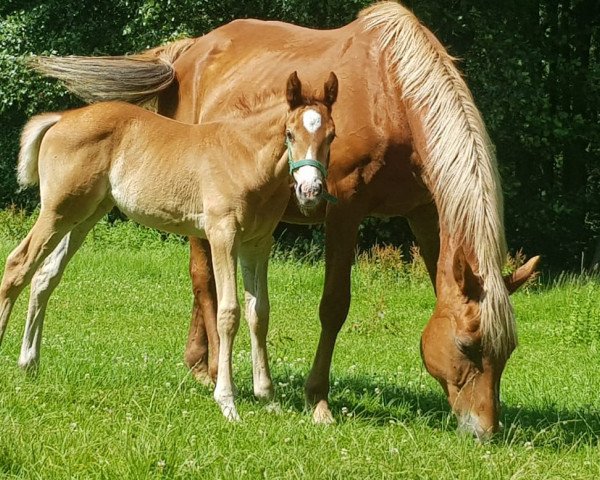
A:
x: 310, y: 192
x: 309, y: 175
x: 309, y: 187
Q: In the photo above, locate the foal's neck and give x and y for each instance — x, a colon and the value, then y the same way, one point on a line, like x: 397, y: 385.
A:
x: 262, y: 134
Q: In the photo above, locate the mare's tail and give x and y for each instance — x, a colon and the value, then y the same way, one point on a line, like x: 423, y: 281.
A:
x: 132, y: 78
x: 31, y: 139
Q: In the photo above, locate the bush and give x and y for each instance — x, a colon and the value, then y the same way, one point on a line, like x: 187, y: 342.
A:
x: 534, y: 69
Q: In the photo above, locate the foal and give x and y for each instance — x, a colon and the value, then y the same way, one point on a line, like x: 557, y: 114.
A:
x: 226, y: 182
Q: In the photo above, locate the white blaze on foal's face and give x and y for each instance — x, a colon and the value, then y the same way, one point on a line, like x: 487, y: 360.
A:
x: 309, y: 179
x: 309, y: 131
x: 311, y: 120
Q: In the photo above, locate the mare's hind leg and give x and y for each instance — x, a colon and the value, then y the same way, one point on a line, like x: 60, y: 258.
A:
x: 341, y: 230
x: 254, y: 260
x: 202, y: 348
x: 45, y: 280
x: 24, y: 260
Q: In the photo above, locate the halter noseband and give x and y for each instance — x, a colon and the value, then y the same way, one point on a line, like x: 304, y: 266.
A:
x: 296, y: 164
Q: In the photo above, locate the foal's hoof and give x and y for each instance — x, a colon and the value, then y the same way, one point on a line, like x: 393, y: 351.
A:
x: 264, y: 394
x: 274, y: 408
x: 231, y: 414
x: 227, y: 406
x: 29, y: 366
x: 322, y: 415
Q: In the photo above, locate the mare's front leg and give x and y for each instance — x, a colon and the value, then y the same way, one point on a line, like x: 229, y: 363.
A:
x: 425, y: 226
x: 341, y: 230
x: 45, y: 280
x: 254, y: 260
x: 202, y: 348
x: 222, y: 235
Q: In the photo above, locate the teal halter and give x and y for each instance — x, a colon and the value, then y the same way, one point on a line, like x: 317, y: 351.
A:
x: 295, y: 165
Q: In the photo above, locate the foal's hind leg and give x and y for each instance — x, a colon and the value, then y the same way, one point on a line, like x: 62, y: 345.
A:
x: 45, y: 280
x: 254, y: 260
x: 24, y: 260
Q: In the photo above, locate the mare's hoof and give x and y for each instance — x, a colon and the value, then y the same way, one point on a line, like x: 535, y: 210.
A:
x: 202, y: 377
x: 322, y: 415
x: 227, y: 406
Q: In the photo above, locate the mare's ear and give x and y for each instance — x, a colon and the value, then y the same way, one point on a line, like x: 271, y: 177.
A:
x: 293, y: 91
x: 470, y: 284
x: 331, y: 90
x: 521, y: 274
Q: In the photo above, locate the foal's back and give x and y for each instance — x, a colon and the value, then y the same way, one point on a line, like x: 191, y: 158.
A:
x: 154, y: 169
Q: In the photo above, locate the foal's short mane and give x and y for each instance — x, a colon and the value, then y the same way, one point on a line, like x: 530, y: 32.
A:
x: 460, y: 167
x: 246, y: 105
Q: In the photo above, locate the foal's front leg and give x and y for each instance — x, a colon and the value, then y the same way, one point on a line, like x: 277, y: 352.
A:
x: 254, y: 259
x: 224, y: 257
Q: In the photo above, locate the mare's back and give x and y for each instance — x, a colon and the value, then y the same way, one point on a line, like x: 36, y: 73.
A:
x: 248, y: 58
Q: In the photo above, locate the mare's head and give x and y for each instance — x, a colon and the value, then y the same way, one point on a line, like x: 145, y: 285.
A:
x: 309, y: 131
x: 453, y: 347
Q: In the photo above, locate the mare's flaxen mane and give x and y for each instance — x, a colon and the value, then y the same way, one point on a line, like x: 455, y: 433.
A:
x: 461, y: 170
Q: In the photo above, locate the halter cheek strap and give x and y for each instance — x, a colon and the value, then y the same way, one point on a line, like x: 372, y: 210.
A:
x: 296, y: 164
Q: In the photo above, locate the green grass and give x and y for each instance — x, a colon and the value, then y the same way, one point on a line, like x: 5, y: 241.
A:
x: 113, y: 399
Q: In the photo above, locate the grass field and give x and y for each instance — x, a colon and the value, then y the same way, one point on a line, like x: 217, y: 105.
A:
x: 113, y: 399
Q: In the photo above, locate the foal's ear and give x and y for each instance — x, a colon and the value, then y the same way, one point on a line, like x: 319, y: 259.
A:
x: 331, y: 90
x: 470, y: 284
x: 293, y: 91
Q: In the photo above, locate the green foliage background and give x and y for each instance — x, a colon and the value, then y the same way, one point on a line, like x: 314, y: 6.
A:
x: 533, y: 66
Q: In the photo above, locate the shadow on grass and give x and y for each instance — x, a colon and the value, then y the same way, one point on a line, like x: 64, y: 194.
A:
x: 551, y: 426
x: 367, y: 398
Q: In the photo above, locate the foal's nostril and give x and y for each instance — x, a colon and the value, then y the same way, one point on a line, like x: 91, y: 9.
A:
x: 318, y: 189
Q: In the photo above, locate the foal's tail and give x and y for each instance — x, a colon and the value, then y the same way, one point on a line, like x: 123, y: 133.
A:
x: 31, y: 139
x: 132, y: 78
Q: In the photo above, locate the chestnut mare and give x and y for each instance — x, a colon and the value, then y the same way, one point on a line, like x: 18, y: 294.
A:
x: 227, y: 182
x: 412, y: 143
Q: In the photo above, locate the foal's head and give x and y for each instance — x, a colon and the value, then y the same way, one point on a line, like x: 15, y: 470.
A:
x: 309, y: 133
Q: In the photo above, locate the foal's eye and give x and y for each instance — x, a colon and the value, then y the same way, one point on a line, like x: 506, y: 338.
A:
x: 331, y: 137
x: 289, y: 136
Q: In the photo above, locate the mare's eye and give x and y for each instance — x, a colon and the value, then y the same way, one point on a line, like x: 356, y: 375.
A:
x: 289, y: 136
x: 471, y: 349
